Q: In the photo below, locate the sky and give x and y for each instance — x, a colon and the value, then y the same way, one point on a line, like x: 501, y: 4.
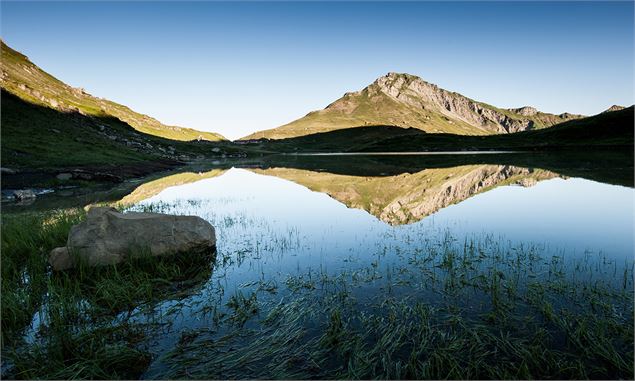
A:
x: 240, y: 67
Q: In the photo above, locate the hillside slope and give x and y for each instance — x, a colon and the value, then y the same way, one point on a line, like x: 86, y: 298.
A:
x: 27, y: 81
x: 607, y: 129
x: 404, y: 100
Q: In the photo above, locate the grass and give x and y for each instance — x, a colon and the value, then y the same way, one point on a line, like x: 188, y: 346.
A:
x: 35, y: 137
x: 519, y: 329
x: 78, y: 318
x: 33, y: 85
x: 29, y: 138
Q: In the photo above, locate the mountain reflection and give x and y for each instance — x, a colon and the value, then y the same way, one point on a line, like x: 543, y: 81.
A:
x: 398, y: 199
x: 407, y: 198
x: 402, y: 189
x: 154, y: 187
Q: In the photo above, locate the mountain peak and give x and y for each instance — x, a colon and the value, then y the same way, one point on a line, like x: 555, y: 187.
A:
x: 525, y: 110
x: 394, y: 79
x: 615, y: 108
x: 405, y: 100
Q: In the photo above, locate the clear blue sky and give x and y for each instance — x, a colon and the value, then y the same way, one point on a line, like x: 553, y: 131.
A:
x: 236, y: 68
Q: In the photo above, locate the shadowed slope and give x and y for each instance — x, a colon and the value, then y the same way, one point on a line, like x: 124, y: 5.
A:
x: 613, y: 128
x: 36, y: 137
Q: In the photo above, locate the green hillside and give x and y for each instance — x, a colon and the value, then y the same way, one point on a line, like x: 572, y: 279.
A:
x: 24, y: 79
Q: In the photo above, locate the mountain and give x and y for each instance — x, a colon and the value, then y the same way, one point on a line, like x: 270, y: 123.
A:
x: 611, y: 129
x: 49, y: 128
x: 24, y: 79
x: 409, y: 197
x: 404, y: 100
x: 614, y: 108
x: 27, y: 81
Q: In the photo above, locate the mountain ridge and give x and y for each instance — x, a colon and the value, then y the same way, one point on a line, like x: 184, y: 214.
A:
x: 405, y: 100
x: 26, y: 80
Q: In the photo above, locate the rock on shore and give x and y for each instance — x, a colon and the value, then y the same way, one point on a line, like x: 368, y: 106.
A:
x: 109, y: 237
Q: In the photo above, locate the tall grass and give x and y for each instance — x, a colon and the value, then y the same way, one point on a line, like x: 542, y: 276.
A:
x: 78, y: 333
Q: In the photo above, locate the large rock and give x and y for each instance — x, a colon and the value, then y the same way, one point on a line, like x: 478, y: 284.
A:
x: 109, y: 237
x: 24, y: 194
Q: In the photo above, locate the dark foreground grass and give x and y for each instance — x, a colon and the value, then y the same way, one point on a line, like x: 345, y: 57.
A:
x: 479, y: 309
x: 73, y: 324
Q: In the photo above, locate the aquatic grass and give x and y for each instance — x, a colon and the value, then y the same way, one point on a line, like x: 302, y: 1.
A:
x: 98, y: 353
x: 74, y: 324
x: 489, y: 310
x: 26, y: 241
x: 416, y: 306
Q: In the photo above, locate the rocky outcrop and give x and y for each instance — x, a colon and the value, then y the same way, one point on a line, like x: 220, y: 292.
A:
x: 24, y: 194
x: 524, y: 111
x: 109, y: 237
x: 614, y: 108
x: 419, y: 93
x: 8, y: 171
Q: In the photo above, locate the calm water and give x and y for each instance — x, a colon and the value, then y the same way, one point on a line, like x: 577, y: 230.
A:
x: 296, y: 246
x: 283, y: 231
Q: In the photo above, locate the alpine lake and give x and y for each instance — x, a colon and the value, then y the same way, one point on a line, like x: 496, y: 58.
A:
x: 470, y: 266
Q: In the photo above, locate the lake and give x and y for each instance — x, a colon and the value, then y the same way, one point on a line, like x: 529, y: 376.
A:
x: 337, y: 268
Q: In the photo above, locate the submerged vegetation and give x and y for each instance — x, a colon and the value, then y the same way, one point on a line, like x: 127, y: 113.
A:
x: 447, y: 315
x: 416, y: 305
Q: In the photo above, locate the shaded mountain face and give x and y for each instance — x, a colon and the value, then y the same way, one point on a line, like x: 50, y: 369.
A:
x: 21, y: 77
x: 405, y: 100
x: 407, y: 198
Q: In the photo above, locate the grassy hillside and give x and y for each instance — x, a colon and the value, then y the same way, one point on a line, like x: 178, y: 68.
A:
x: 36, y: 137
x: 24, y: 79
x: 406, y: 101
x: 363, y: 109
x: 607, y: 129
x: 39, y: 137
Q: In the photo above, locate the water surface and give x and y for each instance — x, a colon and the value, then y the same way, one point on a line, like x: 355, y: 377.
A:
x: 319, y: 253
x: 283, y: 231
